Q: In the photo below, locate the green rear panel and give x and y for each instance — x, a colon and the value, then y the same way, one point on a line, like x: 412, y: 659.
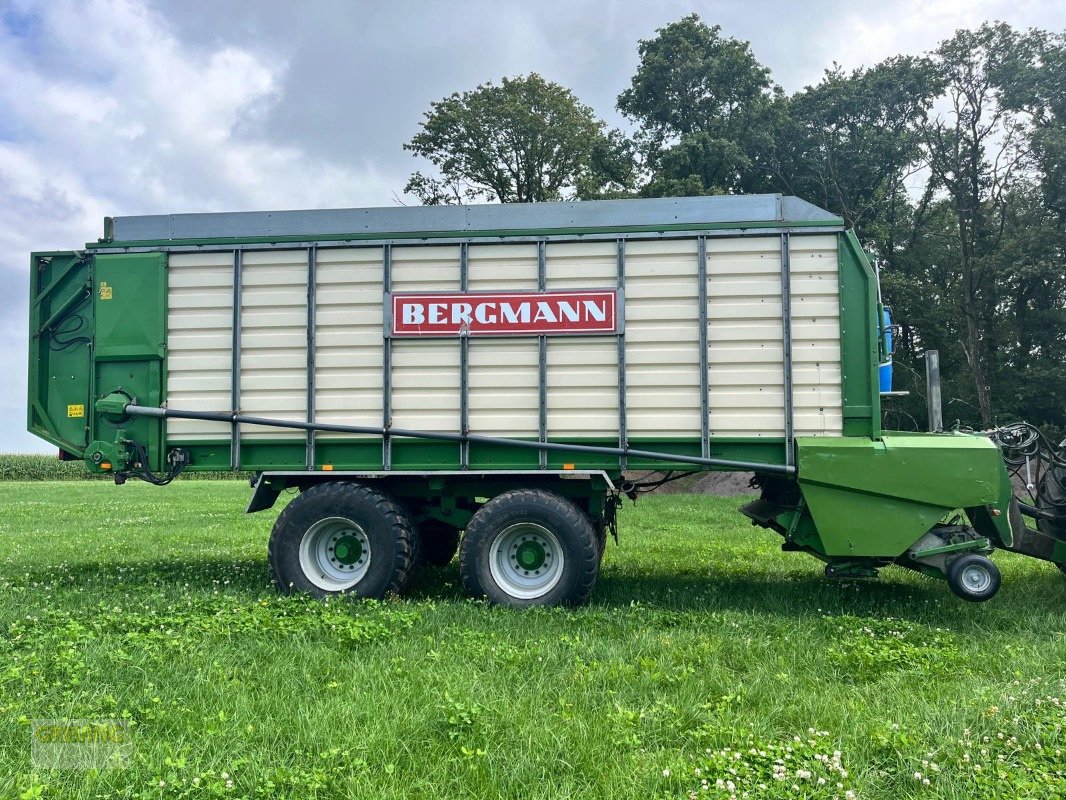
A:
x: 60, y: 352
x: 130, y: 305
x: 97, y: 325
x: 858, y: 340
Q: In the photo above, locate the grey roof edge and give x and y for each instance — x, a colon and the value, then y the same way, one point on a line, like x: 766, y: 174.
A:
x: 586, y: 214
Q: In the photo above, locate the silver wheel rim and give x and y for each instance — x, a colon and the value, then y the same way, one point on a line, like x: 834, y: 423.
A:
x: 335, y: 554
x: 516, y: 565
x: 976, y: 579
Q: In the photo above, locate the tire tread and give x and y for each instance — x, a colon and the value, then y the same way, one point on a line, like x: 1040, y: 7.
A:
x: 589, y: 551
x: 333, y: 491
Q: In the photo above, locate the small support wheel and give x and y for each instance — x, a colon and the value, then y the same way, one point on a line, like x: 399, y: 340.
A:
x: 973, y: 577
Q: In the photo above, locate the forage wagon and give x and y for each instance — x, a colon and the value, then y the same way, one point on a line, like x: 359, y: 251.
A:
x: 484, y: 378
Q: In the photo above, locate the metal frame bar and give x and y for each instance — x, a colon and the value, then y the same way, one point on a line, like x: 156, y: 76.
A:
x: 323, y: 244
x: 542, y: 364
x: 386, y: 365
x: 312, y: 288
x: 408, y: 433
x: 623, y: 433
x: 932, y: 391
x: 786, y: 348
x: 235, y: 360
x: 701, y: 293
x: 464, y: 361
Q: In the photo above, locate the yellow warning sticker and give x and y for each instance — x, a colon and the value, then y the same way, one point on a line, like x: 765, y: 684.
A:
x: 106, y: 291
x: 76, y: 410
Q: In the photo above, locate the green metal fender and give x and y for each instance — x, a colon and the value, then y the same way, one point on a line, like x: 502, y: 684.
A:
x: 876, y: 498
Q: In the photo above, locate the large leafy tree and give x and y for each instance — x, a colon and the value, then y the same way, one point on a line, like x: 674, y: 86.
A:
x: 978, y: 156
x: 705, y: 108
x: 978, y: 269
x: 524, y: 140
x: 850, y: 142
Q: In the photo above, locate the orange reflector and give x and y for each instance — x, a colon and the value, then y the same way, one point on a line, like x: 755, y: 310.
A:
x: 327, y: 467
x: 105, y: 465
x: 568, y: 466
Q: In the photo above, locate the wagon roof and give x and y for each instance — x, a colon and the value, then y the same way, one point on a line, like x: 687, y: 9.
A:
x: 668, y: 213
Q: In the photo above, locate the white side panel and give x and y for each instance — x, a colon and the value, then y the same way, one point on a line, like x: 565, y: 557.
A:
x: 348, y: 336
x: 199, y: 341
x: 745, y: 362
x: 662, y: 339
x: 504, y: 372
x: 425, y: 373
x: 274, y: 340
x: 582, y: 370
x: 816, y: 385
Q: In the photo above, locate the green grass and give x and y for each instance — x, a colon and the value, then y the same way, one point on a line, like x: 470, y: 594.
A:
x: 706, y: 654
x: 40, y: 467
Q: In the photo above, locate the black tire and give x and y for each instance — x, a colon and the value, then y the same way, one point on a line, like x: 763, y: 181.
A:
x: 548, y: 522
x: 974, y: 578
x: 437, y: 543
x: 380, y: 529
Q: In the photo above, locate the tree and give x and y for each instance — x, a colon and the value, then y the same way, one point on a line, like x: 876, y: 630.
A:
x: 705, y: 107
x: 978, y: 153
x: 850, y: 142
x: 526, y: 140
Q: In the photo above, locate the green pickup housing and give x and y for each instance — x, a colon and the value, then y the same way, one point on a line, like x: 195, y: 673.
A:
x: 859, y: 499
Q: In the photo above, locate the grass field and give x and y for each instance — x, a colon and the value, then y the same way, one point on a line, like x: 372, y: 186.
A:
x: 708, y: 664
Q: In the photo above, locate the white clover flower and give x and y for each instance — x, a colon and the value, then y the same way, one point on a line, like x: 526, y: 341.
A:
x: 666, y: 773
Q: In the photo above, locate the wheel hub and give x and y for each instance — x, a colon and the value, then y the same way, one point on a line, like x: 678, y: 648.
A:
x: 976, y: 579
x: 335, y: 554
x: 529, y: 555
x: 347, y: 550
x: 526, y: 560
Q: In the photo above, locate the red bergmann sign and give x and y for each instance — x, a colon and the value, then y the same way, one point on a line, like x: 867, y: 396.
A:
x: 504, y: 313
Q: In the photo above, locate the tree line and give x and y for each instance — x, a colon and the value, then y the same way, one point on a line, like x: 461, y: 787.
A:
x: 949, y: 165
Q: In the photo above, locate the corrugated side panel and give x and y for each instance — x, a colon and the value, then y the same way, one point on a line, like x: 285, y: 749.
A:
x: 199, y: 341
x: 582, y: 370
x: 745, y: 364
x: 504, y: 372
x: 816, y: 385
x: 425, y: 372
x: 274, y: 340
x: 662, y: 339
x: 745, y: 361
x: 348, y: 336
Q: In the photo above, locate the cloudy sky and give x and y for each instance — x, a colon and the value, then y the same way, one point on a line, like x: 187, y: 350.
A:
x: 109, y: 107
